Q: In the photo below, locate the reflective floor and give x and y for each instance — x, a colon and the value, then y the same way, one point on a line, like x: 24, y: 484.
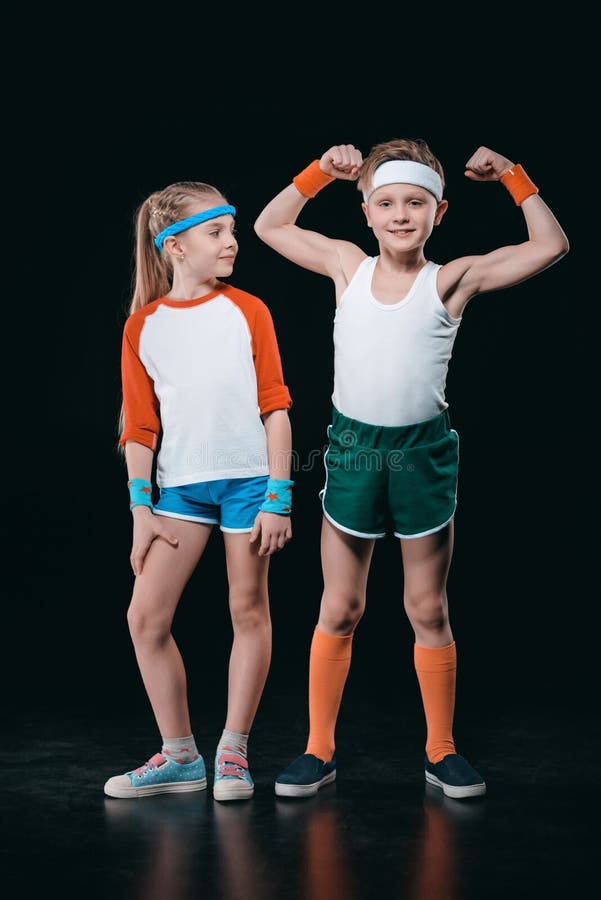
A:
x: 377, y: 832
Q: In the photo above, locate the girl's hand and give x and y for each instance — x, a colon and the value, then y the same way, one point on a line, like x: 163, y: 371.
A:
x: 342, y: 161
x: 486, y: 165
x: 273, y: 530
x: 147, y: 528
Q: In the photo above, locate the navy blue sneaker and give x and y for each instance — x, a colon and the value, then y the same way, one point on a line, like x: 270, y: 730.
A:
x: 305, y: 776
x: 455, y: 776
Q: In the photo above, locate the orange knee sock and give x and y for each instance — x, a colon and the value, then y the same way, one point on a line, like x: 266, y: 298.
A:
x: 436, y: 668
x: 329, y: 665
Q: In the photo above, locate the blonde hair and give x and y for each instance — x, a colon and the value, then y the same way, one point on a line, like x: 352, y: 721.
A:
x: 416, y: 150
x: 153, y: 271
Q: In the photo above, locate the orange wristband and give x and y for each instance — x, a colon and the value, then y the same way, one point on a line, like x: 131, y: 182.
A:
x: 518, y: 184
x: 311, y: 180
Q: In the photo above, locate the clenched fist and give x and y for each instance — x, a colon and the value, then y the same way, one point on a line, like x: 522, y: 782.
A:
x: 486, y: 165
x: 342, y: 161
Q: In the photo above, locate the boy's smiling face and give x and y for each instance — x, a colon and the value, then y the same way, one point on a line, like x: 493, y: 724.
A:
x: 402, y: 216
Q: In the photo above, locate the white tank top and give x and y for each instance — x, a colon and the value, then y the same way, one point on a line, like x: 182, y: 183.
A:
x: 391, y: 360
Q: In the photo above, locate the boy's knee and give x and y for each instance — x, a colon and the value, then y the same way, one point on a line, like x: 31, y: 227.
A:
x: 340, y: 614
x: 428, y: 609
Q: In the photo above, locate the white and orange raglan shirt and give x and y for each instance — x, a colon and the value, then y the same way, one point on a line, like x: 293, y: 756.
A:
x: 197, y: 375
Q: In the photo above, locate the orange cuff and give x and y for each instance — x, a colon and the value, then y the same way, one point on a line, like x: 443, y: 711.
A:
x: 311, y: 180
x: 331, y: 646
x: 518, y: 184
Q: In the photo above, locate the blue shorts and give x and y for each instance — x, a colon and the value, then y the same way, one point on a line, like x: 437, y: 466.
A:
x: 231, y: 503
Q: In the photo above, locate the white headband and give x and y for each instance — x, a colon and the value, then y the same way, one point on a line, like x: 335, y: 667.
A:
x: 405, y: 171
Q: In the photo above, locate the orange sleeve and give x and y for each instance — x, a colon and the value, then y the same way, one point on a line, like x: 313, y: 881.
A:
x: 140, y: 403
x: 272, y: 391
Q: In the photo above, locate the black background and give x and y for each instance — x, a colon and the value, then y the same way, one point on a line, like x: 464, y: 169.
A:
x: 115, y: 110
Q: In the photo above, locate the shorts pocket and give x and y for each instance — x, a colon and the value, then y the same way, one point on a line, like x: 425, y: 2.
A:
x: 444, y: 455
x: 423, y: 490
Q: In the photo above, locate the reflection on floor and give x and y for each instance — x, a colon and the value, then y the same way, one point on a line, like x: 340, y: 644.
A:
x: 377, y: 832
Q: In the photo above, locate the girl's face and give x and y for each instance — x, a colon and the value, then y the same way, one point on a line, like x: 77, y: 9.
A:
x: 402, y: 216
x: 210, y: 248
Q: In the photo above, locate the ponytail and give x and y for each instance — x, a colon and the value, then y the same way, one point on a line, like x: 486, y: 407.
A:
x: 153, y: 270
x: 152, y: 277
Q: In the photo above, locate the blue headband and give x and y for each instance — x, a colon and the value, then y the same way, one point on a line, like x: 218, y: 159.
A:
x: 184, y: 224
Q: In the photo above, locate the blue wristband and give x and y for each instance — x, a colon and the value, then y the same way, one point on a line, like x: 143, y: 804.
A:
x: 140, y: 493
x: 278, y: 496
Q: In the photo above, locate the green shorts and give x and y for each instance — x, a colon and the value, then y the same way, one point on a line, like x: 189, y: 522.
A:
x: 382, y: 479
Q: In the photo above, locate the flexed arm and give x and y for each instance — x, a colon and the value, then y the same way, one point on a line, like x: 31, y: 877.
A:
x: 276, y: 223
x: 511, y: 264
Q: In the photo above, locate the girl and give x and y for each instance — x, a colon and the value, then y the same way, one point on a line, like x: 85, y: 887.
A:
x: 201, y: 369
x: 392, y: 456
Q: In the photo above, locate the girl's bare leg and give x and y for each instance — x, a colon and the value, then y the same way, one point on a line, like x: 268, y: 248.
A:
x: 157, y: 591
x: 250, y: 656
